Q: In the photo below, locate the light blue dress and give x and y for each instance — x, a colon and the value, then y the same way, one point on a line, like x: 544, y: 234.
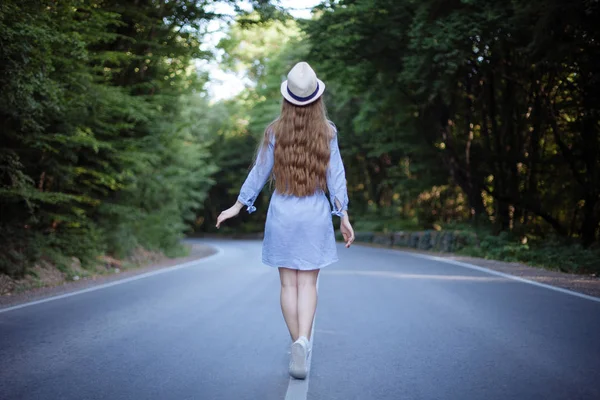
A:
x: 299, y: 230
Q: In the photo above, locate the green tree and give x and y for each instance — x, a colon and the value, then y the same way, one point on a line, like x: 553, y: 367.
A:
x: 101, y: 149
x: 499, y: 94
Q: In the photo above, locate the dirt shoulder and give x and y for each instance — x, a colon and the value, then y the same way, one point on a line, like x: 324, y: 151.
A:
x: 586, y: 284
x: 196, y: 251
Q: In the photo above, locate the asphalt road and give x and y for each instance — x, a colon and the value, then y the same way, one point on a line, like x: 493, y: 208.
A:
x: 389, y: 325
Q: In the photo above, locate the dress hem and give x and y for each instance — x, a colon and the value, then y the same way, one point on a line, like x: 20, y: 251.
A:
x: 270, y: 264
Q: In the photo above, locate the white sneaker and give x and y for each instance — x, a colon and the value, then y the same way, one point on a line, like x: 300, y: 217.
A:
x: 289, y: 347
x: 298, y: 362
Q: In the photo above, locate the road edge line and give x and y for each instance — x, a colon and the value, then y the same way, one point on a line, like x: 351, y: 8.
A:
x: 117, y: 282
x: 498, y: 273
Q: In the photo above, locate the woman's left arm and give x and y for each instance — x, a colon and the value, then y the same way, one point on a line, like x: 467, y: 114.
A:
x: 253, y: 184
x: 257, y: 177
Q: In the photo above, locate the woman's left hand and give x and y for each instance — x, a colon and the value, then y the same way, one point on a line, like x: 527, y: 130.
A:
x: 229, y: 213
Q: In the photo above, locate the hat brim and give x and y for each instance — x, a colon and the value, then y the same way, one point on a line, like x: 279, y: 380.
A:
x: 286, y: 95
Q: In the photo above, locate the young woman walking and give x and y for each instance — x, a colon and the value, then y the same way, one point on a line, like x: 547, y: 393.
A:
x: 300, y: 152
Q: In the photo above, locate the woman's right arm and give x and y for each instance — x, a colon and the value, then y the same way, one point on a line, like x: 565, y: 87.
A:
x: 336, y: 181
x: 338, y: 192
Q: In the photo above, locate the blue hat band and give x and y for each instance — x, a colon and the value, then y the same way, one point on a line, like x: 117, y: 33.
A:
x: 309, y: 97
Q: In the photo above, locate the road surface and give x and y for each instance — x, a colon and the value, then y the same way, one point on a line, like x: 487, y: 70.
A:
x: 389, y: 325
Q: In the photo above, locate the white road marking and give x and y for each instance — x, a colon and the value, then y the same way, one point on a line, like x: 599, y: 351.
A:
x: 298, y: 389
x: 497, y: 273
x: 118, y: 282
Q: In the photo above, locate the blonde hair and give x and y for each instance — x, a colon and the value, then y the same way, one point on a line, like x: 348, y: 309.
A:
x: 301, y: 157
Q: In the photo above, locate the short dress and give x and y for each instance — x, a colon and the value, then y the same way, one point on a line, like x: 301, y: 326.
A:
x: 299, y: 230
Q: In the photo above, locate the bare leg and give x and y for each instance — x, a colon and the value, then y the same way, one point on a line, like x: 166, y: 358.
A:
x: 307, y: 301
x: 289, y: 299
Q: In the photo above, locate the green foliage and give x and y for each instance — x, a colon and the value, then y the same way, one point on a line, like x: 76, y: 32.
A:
x: 106, y: 130
x: 458, y: 121
x: 548, y: 253
x: 551, y: 253
x: 467, y: 111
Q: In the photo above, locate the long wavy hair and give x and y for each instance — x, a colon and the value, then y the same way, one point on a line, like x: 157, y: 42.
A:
x: 302, y: 139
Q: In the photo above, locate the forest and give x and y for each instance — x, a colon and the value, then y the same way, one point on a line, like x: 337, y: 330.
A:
x: 480, y: 118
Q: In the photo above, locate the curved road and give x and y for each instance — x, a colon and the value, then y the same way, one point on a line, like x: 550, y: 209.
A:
x: 390, y: 325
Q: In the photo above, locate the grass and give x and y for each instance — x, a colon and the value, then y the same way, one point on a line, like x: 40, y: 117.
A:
x: 550, y: 253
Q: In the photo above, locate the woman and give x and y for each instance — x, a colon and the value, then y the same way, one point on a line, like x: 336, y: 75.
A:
x: 300, y: 151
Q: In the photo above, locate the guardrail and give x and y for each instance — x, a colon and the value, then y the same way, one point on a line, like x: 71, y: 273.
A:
x: 444, y: 241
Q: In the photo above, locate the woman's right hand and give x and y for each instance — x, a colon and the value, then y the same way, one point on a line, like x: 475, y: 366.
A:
x: 229, y: 213
x: 347, y: 231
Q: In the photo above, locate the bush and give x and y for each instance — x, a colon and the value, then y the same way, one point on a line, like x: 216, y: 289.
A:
x: 551, y: 253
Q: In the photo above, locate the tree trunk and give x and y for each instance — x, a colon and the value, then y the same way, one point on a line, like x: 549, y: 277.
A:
x: 591, y: 152
x: 591, y: 221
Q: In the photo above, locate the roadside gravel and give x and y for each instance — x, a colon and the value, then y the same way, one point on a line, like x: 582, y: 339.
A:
x: 197, y: 251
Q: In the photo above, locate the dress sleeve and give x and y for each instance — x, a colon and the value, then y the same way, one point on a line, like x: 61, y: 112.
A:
x: 336, y: 179
x: 257, y: 177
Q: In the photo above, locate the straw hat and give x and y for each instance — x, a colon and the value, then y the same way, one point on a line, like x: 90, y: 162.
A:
x: 302, y: 86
